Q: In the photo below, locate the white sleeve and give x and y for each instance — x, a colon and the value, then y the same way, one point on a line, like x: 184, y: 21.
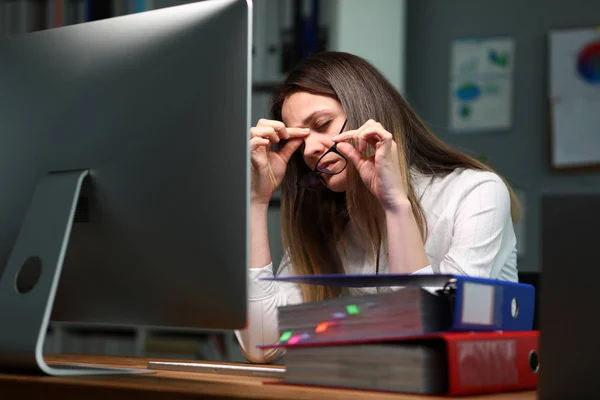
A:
x: 483, y: 236
x: 423, y: 271
x: 263, y: 299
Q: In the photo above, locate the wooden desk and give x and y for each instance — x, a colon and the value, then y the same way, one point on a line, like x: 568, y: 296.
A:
x: 179, y: 385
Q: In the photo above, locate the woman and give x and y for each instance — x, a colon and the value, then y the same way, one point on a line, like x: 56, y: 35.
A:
x: 386, y: 197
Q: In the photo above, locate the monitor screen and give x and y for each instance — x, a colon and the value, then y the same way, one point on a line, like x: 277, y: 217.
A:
x: 124, y: 168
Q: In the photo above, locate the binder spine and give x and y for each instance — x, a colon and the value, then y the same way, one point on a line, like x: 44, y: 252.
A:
x: 484, y: 306
x: 487, y: 364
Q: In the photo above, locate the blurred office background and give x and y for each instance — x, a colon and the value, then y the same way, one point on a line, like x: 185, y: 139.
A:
x: 513, y: 119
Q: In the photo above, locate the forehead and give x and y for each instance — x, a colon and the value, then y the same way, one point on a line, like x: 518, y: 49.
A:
x: 299, y: 106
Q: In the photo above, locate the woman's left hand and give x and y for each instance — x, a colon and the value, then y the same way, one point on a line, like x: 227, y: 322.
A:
x: 381, y: 172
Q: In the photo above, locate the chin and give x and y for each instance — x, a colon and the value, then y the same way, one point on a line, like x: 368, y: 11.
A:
x: 337, y: 183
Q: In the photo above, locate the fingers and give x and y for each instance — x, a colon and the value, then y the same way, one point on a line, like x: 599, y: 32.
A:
x: 297, y: 132
x: 265, y: 132
x: 289, y: 148
x: 276, y: 130
x: 257, y: 158
x: 371, y: 132
x: 351, y: 154
x: 269, y: 131
x: 257, y: 142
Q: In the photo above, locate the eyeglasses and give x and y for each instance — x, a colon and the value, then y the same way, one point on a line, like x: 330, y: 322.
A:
x: 331, y: 163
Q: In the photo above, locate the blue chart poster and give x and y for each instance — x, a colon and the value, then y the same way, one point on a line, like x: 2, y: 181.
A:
x: 481, y: 73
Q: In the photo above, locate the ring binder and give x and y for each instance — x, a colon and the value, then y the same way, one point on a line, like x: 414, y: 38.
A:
x: 511, y: 304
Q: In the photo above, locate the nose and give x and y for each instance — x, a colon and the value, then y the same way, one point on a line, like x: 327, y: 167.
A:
x: 314, y: 147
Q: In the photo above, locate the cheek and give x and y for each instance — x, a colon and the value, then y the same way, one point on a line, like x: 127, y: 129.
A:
x: 306, y: 161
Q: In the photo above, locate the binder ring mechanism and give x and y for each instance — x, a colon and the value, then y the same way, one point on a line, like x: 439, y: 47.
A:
x: 449, y: 290
x: 450, y: 286
x: 534, y: 361
x: 514, y: 307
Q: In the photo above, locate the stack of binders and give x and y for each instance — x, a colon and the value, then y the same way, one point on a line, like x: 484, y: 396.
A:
x: 432, y: 334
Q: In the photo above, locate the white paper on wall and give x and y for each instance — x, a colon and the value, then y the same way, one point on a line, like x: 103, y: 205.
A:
x: 574, y: 90
x: 481, y: 84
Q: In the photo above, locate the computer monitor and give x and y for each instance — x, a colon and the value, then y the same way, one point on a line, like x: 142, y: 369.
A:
x: 124, y: 172
x: 570, y: 271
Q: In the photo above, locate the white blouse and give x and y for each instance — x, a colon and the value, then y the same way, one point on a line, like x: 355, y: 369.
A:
x: 470, y: 232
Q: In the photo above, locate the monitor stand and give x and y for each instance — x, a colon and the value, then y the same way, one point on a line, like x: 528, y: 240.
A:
x: 30, y: 279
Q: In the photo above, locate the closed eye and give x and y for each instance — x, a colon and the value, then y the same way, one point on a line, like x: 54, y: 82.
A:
x: 323, y: 126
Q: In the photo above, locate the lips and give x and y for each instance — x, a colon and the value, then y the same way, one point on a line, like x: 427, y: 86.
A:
x: 327, y: 166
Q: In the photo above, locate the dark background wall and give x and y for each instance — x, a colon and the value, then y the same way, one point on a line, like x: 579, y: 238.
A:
x: 521, y: 153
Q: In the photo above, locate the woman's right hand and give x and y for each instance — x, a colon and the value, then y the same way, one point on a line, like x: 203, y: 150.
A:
x: 268, y: 167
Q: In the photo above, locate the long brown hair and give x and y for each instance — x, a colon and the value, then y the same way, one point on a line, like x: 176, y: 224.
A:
x: 313, y: 222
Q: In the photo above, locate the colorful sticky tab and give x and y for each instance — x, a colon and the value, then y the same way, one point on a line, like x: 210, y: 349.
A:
x: 285, y: 336
x: 322, y: 327
x: 352, y: 309
x: 294, y: 339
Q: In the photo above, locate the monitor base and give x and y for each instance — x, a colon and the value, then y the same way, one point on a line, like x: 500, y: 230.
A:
x: 30, y: 280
